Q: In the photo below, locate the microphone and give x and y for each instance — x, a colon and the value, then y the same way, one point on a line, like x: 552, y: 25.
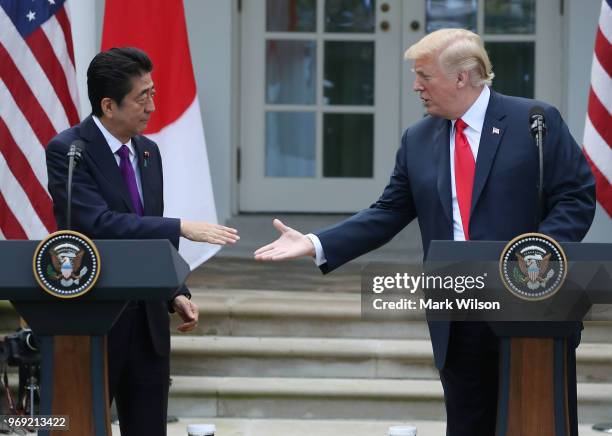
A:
x: 537, y: 124
x: 74, y: 156
x: 537, y: 127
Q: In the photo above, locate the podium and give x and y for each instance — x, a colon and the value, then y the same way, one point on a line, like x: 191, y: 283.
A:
x: 74, y: 379
x: 533, y: 389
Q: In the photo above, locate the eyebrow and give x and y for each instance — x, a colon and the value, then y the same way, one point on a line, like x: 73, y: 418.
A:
x: 420, y: 72
x: 146, y: 90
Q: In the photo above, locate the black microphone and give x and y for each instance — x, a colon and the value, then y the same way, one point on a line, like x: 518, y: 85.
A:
x: 537, y: 124
x: 537, y: 127
x: 74, y: 156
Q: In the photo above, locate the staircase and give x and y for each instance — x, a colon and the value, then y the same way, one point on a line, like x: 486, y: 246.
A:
x: 296, y: 354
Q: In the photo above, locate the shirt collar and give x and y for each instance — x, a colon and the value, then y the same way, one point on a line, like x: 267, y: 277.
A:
x: 113, y: 142
x: 474, y: 117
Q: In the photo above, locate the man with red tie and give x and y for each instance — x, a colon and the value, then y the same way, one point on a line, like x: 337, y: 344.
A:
x: 467, y: 171
x: 118, y: 194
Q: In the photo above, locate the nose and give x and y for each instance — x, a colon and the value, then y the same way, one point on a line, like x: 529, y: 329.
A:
x: 150, y: 107
x: 416, y: 85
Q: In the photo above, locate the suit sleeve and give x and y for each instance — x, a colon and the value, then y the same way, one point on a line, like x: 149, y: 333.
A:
x: 90, y: 212
x: 373, y: 227
x: 569, y: 185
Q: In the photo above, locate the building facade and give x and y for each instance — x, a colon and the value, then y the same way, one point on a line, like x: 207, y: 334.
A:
x: 304, y: 101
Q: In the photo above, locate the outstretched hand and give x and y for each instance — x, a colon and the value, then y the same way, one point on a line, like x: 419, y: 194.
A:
x: 206, y: 232
x: 290, y: 245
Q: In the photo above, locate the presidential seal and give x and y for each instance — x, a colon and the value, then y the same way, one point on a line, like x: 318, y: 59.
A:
x: 66, y: 264
x: 533, y: 266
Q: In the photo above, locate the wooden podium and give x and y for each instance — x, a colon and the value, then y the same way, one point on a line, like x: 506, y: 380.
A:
x: 533, y: 389
x: 74, y: 379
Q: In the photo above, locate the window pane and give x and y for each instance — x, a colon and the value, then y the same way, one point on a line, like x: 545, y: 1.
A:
x: 350, y: 16
x: 290, y: 144
x: 510, y: 16
x: 451, y: 13
x: 513, y: 65
x: 290, y: 72
x: 348, y: 145
x: 349, y: 73
x: 291, y: 15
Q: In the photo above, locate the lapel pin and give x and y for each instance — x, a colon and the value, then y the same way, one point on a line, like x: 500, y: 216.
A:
x: 495, y: 131
x: 145, y: 156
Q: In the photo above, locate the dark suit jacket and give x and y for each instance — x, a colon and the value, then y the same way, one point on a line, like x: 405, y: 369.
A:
x: 101, y: 204
x: 504, y: 200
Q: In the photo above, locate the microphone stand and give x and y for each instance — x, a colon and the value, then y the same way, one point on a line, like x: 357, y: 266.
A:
x: 539, y: 138
x: 74, y: 157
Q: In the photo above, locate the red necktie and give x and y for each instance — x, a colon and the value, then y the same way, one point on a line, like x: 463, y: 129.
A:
x: 465, y: 166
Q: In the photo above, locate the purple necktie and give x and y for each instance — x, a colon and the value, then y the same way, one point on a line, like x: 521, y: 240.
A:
x: 127, y: 171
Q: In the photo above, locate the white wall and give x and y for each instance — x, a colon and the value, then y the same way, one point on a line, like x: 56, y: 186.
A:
x: 209, y: 24
x: 582, y: 17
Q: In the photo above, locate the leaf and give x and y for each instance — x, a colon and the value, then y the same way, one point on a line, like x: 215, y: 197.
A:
x: 50, y: 271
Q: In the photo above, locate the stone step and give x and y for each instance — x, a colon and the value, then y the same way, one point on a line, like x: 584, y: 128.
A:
x: 335, y: 358
x: 325, y: 398
x: 318, y: 427
x: 302, y: 357
x: 227, y: 312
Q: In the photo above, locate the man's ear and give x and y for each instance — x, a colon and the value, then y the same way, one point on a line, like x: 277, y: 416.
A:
x: 108, y: 106
x: 463, y: 79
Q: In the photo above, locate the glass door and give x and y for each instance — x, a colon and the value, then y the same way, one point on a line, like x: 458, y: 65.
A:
x: 320, y: 87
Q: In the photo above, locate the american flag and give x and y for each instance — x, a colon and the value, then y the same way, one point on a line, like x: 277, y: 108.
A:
x: 38, y: 99
x: 598, y: 126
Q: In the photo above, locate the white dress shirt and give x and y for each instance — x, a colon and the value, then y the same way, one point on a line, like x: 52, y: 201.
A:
x: 115, y: 145
x: 474, y: 118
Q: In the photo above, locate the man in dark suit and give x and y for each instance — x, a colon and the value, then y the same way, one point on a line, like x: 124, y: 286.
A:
x: 467, y: 171
x: 118, y: 194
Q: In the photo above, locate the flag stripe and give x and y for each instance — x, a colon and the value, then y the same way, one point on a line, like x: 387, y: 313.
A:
x: 605, y: 20
x: 32, y: 73
x: 17, y: 201
x: 600, y: 82
x: 25, y: 99
x: 64, y: 22
x: 43, y: 52
x: 10, y: 227
x: 23, y: 134
x: 603, y: 51
x: 600, y: 118
x: 23, y: 173
x: 57, y: 39
x: 598, y: 124
x: 603, y: 186
x: 599, y: 151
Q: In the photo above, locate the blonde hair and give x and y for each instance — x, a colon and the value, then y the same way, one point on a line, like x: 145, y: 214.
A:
x: 458, y: 50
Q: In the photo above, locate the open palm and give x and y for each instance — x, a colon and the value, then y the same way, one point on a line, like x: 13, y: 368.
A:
x: 290, y: 245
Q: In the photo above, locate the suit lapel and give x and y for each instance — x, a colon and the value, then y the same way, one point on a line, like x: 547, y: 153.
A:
x: 145, y: 174
x: 493, y: 130
x: 441, y: 144
x: 100, y: 153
